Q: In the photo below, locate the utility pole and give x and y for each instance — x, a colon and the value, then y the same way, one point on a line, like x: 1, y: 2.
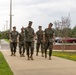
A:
x: 10, y: 15
x: 6, y: 25
x: 4, y: 28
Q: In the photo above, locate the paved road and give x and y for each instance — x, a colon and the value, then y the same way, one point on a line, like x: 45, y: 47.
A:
x: 40, y: 65
x: 4, y: 45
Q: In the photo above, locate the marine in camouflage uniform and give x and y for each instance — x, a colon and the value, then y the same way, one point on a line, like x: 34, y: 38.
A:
x: 22, y: 43
x: 29, y: 38
x: 39, y: 34
x: 13, y: 40
x: 49, y: 36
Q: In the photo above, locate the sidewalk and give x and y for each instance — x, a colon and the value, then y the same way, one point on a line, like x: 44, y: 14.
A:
x: 40, y: 65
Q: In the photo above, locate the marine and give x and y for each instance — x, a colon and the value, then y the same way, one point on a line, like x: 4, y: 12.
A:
x: 22, y: 43
x: 49, y: 37
x: 39, y: 35
x: 13, y: 36
x: 29, y: 35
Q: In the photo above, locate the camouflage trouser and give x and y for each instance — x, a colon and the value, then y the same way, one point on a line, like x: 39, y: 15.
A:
x: 13, y: 46
x: 48, y: 45
x: 21, y: 48
x: 38, y: 46
x: 30, y: 48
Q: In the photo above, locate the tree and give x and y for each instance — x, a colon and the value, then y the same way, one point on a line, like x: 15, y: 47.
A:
x: 66, y: 22
x: 57, y: 28
x: 5, y: 34
x: 62, y: 28
x: 74, y: 32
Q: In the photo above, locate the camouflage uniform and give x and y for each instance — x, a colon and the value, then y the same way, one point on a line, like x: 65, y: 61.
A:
x: 29, y: 35
x: 22, y: 43
x: 39, y: 34
x: 49, y: 32
x: 13, y: 43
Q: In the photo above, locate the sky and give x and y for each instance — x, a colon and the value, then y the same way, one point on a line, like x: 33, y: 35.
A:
x: 41, y: 12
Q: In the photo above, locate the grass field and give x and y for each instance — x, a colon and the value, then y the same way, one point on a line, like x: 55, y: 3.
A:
x: 66, y: 55
x: 6, y: 40
x: 4, y: 67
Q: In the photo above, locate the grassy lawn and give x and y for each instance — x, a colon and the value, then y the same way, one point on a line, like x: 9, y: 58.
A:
x: 4, y: 67
x: 66, y: 55
x: 6, y: 40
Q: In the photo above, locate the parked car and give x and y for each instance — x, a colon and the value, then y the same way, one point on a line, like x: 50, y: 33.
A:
x: 69, y: 40
x: 58, y: 39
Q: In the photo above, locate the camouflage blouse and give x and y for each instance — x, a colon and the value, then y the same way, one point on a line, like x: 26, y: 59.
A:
x: 49, y: 34
x: 22, y: 37
x: 29, y: 34
x: 13, y: 36
x: 39, y: 35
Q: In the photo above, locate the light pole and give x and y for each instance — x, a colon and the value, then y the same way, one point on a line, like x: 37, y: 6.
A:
x: 10, y: 15
x: 4, y: 28
x: 6, y: 25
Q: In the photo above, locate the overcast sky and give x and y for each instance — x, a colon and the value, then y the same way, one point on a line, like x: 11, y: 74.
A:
x: 41, y: 12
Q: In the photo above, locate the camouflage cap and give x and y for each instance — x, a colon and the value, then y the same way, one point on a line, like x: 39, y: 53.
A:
x: 30, y: 22
x: 40, y: 26
x: 22, y: 28
x: 14, y: 27
x: 51, y: 24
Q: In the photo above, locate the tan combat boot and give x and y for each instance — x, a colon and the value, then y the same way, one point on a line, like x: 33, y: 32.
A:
x: 49, y: 57
x: 11, y: 53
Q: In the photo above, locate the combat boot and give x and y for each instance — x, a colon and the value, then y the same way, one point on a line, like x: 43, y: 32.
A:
x: 49, y: 57
x: 14, y: 54
x: 23, y: 55
x: 11, y: 53
x: 45, y: 55
x: 42, y: 55
x: 32, y: 58
x: 28, y: 58
x: 36, y: 54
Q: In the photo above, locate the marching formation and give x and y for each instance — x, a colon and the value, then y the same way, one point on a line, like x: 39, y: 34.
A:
x: 26, y: 37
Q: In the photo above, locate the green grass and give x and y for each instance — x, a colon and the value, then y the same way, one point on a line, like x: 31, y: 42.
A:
x: 4, y: 67
x: 66, y: 55
x: 6, y: 40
